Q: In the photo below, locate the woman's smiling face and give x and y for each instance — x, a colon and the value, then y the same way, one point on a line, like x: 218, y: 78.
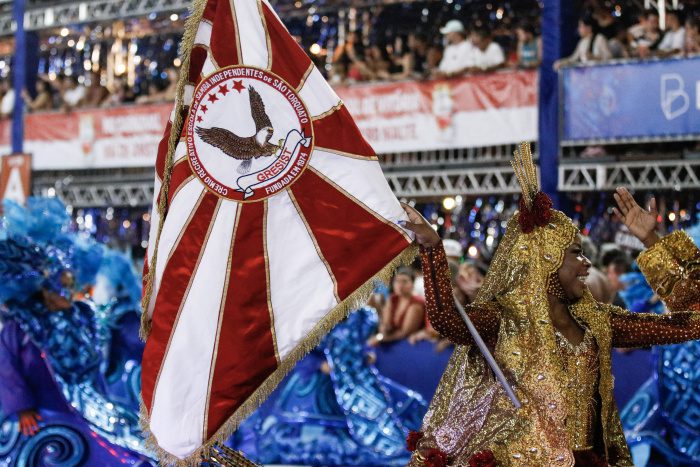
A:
x: 574, y: 271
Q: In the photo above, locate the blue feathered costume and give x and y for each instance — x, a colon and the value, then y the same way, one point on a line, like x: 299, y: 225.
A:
x: 54, y: 350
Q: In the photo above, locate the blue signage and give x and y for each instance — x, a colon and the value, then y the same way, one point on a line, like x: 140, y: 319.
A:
x: 639, y: 101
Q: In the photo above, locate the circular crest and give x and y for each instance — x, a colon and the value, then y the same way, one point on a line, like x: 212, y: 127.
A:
x: 248, y: 134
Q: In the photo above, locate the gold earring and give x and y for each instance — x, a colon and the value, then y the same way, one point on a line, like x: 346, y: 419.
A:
x: 555, y: 288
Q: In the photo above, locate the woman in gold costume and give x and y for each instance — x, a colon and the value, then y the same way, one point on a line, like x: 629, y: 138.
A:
x: 550, y: 337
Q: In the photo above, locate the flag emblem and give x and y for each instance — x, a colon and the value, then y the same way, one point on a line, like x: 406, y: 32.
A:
x: 255, y: 153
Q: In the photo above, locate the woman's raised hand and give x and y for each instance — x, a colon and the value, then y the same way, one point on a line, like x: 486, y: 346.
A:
x: 641, y: 222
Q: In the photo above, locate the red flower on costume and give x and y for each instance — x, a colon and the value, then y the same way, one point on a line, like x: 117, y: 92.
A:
x: 435, y: 458
x: 412, y: 440
x: 538, y: 215
x: 482, y: 459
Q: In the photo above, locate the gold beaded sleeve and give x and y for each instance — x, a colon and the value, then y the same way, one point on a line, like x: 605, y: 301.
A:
x: 672, y: 267
x: 647, y: 329
x: 440, y: 305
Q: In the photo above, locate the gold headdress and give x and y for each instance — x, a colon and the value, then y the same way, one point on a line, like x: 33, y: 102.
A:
x: 535, y: 206
x: 525, y: 172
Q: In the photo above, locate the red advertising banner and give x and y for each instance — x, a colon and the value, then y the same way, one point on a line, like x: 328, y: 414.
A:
x: 15, y: 177
x: 93, y: 138
x: 481, y: 110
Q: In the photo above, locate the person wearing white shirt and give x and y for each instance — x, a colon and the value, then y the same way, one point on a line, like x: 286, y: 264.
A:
x: 458, y: 54
x: 73, y: 93
x: 487, y: 54
x: 591, y: 47
x: 7, y: 104
x: 673, y: 41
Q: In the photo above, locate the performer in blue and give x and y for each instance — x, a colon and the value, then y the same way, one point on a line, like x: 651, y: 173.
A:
x: 661, y: 420
x: 117, y: 295
x: 335, y: 408
x: 54, y: 408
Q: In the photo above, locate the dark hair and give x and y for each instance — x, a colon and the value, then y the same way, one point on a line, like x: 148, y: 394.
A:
x: 404, y: 271
x: 589, y: 21
x: 480, y: 266
x: 482, y: 31
x: 528, y: 27
x: 650, y: 12
x: 616, y: 257
x: 677, y: 13
x: 46, y: 85
x: 692, y: 22
x: 620, y: 263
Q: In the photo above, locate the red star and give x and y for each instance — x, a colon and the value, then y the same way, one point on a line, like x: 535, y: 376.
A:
x: 223, y: 89
x: 213, y: 98
x: 238, y: 86
x: 199, y: 118
x: 204, y: 108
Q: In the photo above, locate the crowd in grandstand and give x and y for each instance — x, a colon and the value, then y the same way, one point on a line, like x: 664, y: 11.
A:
x: 398, y: 42
x: 605, y: 37
x: 69, y: 93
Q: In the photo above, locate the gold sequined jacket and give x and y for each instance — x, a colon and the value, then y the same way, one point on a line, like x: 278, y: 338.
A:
x: 470, y: 412
x: 672, y: 267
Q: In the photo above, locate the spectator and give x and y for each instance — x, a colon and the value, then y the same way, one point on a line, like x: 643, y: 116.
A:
x: 644, y: 37
x: 433, y: 58
x: 43, y: 99
x: 606, y: 24
x: 7, y: 104
x: 347, y: 58
x: 72, y: 93
x: 377, y: 65
x: 151, y: 94
x: 403, y: 314
x: 673, y: 41
x: 123, y: 94
x: 413, y: 63
x: 469, y: 280
x: 170, y: 92
x: 692, y: 37
x: 95, y: 93
x: 529, y: 46
x: 156, y: 95
x: 616, y: 264
x: 458, y: 54
x: 591, y: 47
x: 487, y: 55
x: 618, y: 44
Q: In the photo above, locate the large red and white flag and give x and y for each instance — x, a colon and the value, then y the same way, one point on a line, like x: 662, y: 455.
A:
x: 271, y: 221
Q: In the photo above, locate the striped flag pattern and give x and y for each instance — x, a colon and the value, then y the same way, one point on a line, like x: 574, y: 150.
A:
x: 271, y: 220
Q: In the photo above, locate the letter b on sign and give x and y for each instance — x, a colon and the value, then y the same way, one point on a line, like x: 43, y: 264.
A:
x: 674, y: 100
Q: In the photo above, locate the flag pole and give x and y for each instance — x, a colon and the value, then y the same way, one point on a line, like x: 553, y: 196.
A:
x: 488, y: 356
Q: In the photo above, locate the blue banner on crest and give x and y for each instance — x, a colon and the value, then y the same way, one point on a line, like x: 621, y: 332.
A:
x: 631, y: 101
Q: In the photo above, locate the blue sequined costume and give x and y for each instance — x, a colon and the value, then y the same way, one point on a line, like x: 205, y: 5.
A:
x: 349, y: 416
